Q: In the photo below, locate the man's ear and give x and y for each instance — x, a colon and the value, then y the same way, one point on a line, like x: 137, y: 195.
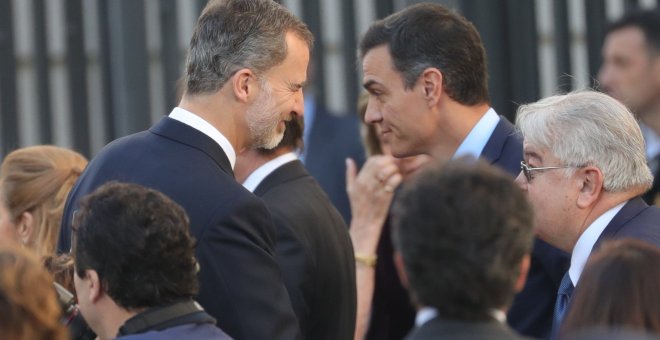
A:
x: 95, y: 290
x: 401, y: 269
x: 244, y: 84
x: 25, y: 227
x: 431, y: 79
x: 524, y: 269
x: 591, y: 185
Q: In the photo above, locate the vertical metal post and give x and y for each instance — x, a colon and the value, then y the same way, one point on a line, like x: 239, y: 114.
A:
x: 169, y: 52
x: 563, y: 46
x: 77, y: 73
x: 8, y: 99
x: 41, y: 62
x: 596, y: 22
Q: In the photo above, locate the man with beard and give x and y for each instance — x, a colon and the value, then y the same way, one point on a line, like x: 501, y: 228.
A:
x: 245, y: 71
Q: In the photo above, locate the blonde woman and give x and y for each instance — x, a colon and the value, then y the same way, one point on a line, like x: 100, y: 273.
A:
x: 34, y: 184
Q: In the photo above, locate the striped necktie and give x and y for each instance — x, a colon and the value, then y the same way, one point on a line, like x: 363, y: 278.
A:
x: 563, y: 298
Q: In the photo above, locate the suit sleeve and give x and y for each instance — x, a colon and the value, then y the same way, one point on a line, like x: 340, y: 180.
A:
x: 240, y: 281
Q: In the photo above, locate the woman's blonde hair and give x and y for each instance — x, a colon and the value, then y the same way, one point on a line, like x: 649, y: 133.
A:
x: 37, y: 179
x: 28, y: 301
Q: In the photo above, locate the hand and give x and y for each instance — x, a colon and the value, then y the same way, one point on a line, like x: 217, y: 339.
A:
x: 370, y: 194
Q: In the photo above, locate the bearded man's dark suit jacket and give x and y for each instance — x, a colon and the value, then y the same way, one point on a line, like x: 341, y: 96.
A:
x: 314, y: 251
x: 531, y: 313
x: 240, y: 281
x: 438, y: 328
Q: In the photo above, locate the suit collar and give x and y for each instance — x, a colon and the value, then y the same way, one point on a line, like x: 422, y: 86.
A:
x: 633, y: 208
x: 495, y: 145
x: 182, y: 133
x: 284, y: 173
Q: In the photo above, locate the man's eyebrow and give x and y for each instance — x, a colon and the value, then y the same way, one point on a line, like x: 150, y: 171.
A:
x: 297, y: 86
x: 369, y: 83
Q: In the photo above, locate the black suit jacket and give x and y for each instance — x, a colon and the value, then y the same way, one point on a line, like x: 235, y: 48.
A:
x: 531, y: 313
x: 240, y: 281
x: 438, y: 328
x: 332, y: 139
x: 314, y: 251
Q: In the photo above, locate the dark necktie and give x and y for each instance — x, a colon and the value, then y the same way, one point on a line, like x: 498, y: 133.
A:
x: 563, y: 298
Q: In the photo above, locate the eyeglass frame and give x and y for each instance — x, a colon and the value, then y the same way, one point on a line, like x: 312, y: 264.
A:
x: 527, y: 170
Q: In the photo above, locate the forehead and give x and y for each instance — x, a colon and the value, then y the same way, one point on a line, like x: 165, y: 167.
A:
x: 378, y: 67
x: 627, y: 40
x: 295, y: 63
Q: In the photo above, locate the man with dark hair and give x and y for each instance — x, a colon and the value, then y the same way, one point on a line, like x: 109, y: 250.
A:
x: 463, y: 234
x: 425, y: 71
x: 245, y: 71
x: 313, y: 246
x: 135, y: 269
x: 631, y: 74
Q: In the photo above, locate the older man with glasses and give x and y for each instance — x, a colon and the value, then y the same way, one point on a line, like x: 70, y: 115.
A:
x: 584, y: 170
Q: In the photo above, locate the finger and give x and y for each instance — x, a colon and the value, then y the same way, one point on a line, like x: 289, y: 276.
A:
x: 393, y: 182
x: 351, y: 172
x: 386, y: 171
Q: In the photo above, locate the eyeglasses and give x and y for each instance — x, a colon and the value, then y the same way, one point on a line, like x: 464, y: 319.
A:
x: 527, y: 170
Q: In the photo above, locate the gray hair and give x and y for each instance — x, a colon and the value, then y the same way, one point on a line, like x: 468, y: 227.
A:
x: 589, y: 128
x: 235, y: 34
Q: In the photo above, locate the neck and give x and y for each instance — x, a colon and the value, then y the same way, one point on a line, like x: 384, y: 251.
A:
x: 112, y: 319
x: 456, y: 122
x: 220, y: 111
x: 250, y: 160
x: 607, y: 201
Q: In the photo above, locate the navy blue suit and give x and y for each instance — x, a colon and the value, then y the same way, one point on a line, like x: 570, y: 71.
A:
x: 314, y: 251
x: 531, y: 312
x: 635, y: 220
x: 332, y: 139
x: 240, y: 281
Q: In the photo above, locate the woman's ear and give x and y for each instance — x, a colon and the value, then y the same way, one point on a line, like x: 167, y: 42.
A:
x: 25, y: 227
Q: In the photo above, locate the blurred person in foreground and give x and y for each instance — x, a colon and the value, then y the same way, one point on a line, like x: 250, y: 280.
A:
x: 135, y: 269
x: 28, y: 304
x: 463, y: 235
x: 313, y: 247
x: 584, y: 172
x: 35, y: 182
x: 245, y: 72
x: 618, y: 290
x: 425, y: 71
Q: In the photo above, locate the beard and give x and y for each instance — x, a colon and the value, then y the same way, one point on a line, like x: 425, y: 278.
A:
x: 263, y: 120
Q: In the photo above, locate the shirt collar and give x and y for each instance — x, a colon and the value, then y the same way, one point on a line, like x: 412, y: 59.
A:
x: 476, y: 140
x: 586, y: 241
x: 425, y: 314
x: 652, y: 141
x: 198, y: 123
x: 258, y: 175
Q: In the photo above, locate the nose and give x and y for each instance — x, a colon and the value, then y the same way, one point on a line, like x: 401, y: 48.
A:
x: 372, y: 115
x: 521, y: 181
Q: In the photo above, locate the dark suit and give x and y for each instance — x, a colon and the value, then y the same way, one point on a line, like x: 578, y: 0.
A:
x: 314, y: 251
x: 448, y: 329
x: 532, y: 309
x: 332, y: 139
x: 635, y: 220
x: 240, y: 281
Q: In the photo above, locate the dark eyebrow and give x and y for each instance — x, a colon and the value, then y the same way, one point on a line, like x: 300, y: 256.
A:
x: 369, y: 83
x: 297, y: 86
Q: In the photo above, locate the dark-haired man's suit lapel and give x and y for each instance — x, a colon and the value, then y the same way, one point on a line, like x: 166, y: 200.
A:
x: 234, y: 231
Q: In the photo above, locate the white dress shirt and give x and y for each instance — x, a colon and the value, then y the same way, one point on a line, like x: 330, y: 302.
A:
x: 476, y: 140
x: 425, y: 314
x: 258, y: 175
x: 586, y: 241
x: 198, y: 123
